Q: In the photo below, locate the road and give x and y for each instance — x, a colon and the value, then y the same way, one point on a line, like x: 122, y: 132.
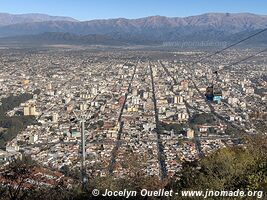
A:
x: 161, y: 154
x: 117, y: 145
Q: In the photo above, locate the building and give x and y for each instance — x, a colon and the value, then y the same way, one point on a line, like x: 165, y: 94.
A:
x: 55, y: 118
x: 83, y: 107
x: 178, y: 99
x: 6, y: 157
x: 33, y: 138
x: 29, y: 110
x: 190, y: 133
x: 26, y: 111
x: 49, y: 86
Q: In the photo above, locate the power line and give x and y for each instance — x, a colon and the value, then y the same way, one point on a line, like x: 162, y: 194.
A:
x: 244, y: 59
x: 228, y: 47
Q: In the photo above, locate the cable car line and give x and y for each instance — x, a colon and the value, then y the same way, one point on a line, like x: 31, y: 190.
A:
x: 244, y: 59
x: 230, y: 46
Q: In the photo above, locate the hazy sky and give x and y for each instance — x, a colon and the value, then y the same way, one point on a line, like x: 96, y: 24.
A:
x: 99, y: 9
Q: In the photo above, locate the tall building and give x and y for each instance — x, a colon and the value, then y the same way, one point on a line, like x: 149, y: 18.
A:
x: 146, y: 95
x: 49, y: 86
x: 55, y: 118
x: 33, y: 138
x: 94, y: 91
x: 32, y: 110
x: 83, y: 106
x: 135, y: 92
x: 29, y: 110
x: 178, y: 99
x: 26, y: 110
x: 184, y: 84
x: 190, y: 133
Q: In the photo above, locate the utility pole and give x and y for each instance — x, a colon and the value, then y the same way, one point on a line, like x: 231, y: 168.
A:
x: 84, y: 176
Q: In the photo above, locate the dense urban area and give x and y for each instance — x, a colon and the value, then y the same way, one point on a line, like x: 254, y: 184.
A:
x: 88, y: 114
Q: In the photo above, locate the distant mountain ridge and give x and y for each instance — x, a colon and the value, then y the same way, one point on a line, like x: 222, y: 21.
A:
x: 154, y: 29
x: 10, y: 19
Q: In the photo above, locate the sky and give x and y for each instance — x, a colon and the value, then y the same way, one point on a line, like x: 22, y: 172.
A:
x: 104, y: 9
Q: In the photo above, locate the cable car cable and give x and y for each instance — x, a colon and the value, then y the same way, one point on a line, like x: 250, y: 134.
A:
x: 232, y: 45
x: 244, y: 59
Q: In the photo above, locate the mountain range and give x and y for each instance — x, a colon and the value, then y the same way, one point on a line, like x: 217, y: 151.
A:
x: 212, y: 27
x: 9, y: 19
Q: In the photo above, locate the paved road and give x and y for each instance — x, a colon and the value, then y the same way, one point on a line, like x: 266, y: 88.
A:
x: 161, y: 154
x: 115, y: 149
